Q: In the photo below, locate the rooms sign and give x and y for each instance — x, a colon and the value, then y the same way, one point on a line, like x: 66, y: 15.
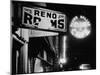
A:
x: 41, y: 18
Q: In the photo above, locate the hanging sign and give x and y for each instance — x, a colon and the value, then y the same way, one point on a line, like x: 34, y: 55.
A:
x: 46, y: 19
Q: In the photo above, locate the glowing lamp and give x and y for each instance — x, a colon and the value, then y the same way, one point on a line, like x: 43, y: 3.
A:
x: 80, y: 27
x: 85, y: 66
x: 62, y: 61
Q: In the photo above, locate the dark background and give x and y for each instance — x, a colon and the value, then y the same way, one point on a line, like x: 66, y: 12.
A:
x: 80, y: 51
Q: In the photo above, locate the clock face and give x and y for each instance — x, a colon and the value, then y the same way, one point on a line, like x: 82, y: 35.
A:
x: 80, y: 27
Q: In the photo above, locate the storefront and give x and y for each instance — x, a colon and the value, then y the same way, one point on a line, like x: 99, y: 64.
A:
x: 42, y: 31
x: 42, y: 38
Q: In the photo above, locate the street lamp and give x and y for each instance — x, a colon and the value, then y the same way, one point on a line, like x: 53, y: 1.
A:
x: 80, y: 27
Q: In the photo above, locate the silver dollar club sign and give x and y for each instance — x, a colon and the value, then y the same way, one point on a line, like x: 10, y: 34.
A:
x: 80, y: 27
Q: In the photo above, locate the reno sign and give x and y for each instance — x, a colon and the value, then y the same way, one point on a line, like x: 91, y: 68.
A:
x: 46, y: 19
